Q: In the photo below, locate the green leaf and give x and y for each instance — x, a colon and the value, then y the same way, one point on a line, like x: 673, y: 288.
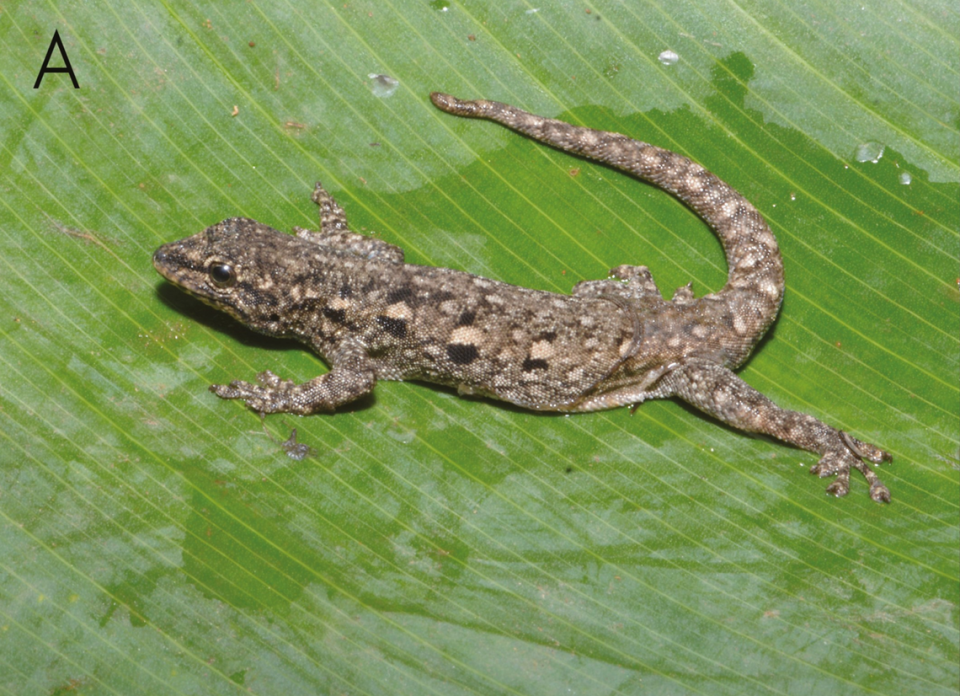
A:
x: 155, y: 539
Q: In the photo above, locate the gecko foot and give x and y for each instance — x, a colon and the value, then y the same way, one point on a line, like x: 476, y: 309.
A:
x: 270, y: 396
x: 852, y: 455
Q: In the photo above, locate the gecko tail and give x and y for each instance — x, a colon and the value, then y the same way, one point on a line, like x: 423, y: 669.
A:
x: 755, y: 279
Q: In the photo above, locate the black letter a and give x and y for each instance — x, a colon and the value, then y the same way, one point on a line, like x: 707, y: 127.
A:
x: 66, y: 61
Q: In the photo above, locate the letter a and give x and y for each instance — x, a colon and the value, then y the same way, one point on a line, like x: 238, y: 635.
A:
x: 66, y: 61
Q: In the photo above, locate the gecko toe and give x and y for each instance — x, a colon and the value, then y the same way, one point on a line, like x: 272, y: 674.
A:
x: 879, y: 493
x: 864, y: 450
x: 262, y: 399
x: 269, y: 380
x: 841, y: 486
x: 229, y: 391
x: 830, y: 464
x: 834, y: 463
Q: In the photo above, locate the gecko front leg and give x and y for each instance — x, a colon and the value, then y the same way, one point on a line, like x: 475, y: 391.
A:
x: 352, y: 375
x: 722, y: 394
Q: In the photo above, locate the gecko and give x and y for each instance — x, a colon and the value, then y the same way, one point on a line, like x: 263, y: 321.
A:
x: 613, y: 342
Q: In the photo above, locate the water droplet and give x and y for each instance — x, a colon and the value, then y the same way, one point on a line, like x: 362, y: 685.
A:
x: 532, y: 11
x: 668, y: 57
x: 383, y: 85
x: 869, y: 152
x: 440, y: 5
x: 905, y: 178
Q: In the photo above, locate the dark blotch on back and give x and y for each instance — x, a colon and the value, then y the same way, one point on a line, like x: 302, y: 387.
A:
x: 335, y: 315
x: 548, y: 336
x: 404, y: 294
x: 466, y: 318
x: 345, y: 291
x: 395, y: 327
x: 462, y: 353
x: 531, y: 364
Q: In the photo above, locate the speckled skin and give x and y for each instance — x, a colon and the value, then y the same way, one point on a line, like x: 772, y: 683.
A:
x: 613, y: 342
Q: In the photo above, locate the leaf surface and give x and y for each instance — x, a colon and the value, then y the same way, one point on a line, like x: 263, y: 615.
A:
x: 154, y: 539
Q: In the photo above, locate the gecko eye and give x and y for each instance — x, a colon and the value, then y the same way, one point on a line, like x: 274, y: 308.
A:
x: 222, y: 274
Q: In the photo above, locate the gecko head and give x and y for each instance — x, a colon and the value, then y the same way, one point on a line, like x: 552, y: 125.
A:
x: 241, y: 267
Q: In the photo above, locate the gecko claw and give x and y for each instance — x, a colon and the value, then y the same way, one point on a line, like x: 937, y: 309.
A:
x: 841, y: 486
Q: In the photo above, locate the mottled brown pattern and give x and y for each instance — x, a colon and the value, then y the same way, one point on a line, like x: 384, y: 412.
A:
x: 613, y: 342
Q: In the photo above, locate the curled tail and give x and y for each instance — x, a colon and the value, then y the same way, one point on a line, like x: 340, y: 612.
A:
x: 754, y: 286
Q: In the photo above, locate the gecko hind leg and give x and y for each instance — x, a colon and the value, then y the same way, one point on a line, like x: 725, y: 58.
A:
x: 719, y: 392
x: 629, y: 282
